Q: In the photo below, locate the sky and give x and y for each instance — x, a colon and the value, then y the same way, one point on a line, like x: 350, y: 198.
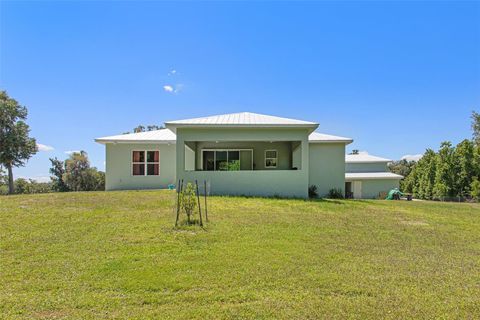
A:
x: 397, y: 77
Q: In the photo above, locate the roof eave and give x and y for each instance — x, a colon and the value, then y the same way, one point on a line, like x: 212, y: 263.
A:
x: 376, y: 161
x: 395, y: 177
x: 346, y: 142
x: 107, y: 141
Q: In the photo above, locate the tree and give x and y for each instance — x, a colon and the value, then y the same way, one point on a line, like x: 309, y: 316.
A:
x: 476, y: 127
x: 76, y: 174
x: 188, y: 201
x: 403, y: 168
x: 446, y: 172
x: 16, y: 147
x: 465, y: 160
x: 139, y: 128
x: 426, y: 177
x: 57, y: 172
x: 142, y: 128
x: 75, y: 166
x: 475, y: 189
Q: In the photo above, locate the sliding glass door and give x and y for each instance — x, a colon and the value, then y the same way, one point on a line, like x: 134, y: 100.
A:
x: 227, y: 159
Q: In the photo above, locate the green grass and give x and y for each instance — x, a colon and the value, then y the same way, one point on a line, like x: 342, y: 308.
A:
x: 116, y: 255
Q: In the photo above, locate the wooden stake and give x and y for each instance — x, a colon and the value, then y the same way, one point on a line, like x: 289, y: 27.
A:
x: 205, y: 196
x: 178, y: 202
x: 199, y: 207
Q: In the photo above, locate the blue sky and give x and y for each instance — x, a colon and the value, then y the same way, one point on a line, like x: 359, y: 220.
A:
x: 398, y: 77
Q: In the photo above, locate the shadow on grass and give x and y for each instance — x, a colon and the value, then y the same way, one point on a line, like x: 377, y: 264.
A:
x: 193, y: 224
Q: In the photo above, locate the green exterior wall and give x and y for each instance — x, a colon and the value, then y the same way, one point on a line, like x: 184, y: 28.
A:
x: 118, y: 165
x: 269, y: 182
x: 372, y: 188
x: 327, y: 167
x: 366, y: 167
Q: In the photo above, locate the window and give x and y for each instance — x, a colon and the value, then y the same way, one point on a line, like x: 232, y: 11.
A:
x: 271, y: 157
x: 227, y: 160
x: 145, y: 163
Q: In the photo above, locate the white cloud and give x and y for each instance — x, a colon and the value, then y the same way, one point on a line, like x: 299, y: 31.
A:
x: 44, y: 147
x: 412, y: 157
x: 168, y: 88
x: 72, y: 151
x: 172, y: 72
x: 173, y: 89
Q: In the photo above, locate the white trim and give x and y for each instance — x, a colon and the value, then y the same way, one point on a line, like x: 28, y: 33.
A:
x: 145, y: 163
x: 352, y: 176
x: 265, y: 159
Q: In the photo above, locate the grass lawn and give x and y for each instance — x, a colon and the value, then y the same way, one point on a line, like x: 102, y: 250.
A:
x: 116, y: 255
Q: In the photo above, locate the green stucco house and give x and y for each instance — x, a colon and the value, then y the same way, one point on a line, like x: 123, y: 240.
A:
x: 237, y: 154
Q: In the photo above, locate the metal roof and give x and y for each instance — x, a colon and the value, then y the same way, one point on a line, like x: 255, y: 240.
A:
x: 167, y: 136
x: 155, y: 136
x: 371, y: 175
x: 244, y: 119
x: 364, y: 158
x: 317, y: 137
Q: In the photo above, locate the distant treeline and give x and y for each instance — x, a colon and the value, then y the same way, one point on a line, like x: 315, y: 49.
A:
x: 73, y: 174
x: 453, y: 172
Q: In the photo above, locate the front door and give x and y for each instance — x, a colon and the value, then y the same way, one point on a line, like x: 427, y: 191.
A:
x: 357, y: 189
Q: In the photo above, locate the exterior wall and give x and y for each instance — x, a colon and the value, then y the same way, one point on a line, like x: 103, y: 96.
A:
x: 372, y: 188
x: 284, y: 152
x: 118, y: 165
x: 327, y: 167
x: 265, y: 183
x: 288, y: 183
x: 366, y: 167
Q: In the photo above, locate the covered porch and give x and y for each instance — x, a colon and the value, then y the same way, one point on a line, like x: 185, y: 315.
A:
x: 242, y: 155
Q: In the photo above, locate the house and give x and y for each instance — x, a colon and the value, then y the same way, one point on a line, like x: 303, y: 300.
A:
x: 366, y: 176
x: 238, y: 154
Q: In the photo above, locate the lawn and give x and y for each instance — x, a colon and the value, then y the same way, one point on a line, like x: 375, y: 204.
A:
x: 116, y: 255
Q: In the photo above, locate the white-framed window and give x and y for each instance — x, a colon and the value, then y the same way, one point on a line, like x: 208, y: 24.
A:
x: 271, y: 158
x: 145, y: 163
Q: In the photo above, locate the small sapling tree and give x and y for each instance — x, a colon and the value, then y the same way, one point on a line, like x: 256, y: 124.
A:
x: 188, y: 200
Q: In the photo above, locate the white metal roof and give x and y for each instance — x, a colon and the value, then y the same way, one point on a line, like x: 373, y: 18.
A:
x: 167, y: 136
x: 241, y: 119
x: 317, y: 137
x: 371, y: 175
x: 155, y: 136
x: 364, y: 158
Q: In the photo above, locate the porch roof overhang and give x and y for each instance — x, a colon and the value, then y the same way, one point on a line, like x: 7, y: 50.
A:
x: 351, y: 176
x: 166, y: 136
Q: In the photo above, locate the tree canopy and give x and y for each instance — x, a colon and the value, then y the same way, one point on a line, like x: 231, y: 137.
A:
x: 16, y: 146
x: 76, y: 174
x: 453, y: 171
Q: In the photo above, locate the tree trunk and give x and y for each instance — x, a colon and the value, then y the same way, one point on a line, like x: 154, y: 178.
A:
x: 11, y: 189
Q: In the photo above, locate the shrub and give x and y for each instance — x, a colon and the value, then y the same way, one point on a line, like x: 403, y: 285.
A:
x: 475, y: 189
x: 335, y: 194
x: 188, y: 200
x: 24, y: 186
x: 312, y: 191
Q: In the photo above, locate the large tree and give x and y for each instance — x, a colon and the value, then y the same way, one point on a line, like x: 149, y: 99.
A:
x: 57, y: 172
x: 75, y: 174
x: 16, y: 146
